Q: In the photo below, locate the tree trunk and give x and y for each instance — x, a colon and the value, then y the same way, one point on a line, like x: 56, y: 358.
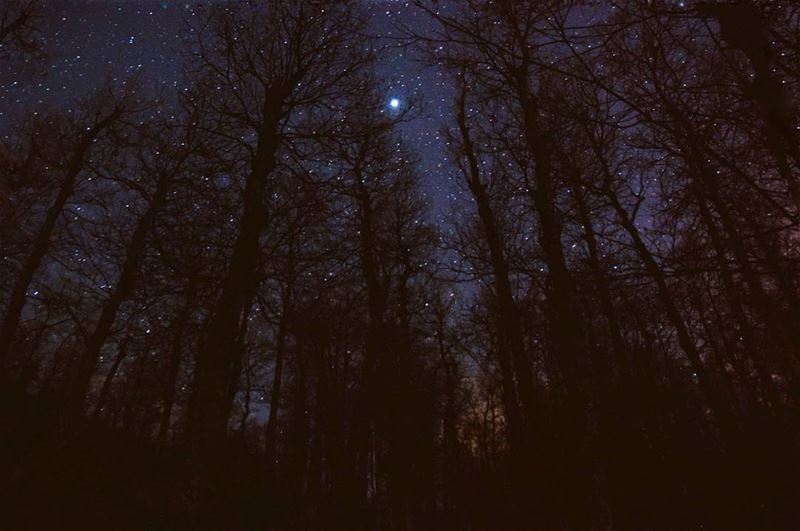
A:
x: 376, y: 344
x: 174, y: 361
x: 600, y: 277
x: 685, y: 340
x: 277, y: 376
x: 567, y: 330
x: 102, y: 398
x: 218, y: 357
x: 126, y: 284
x: 565, y: 320
x: 42, y: 242
x: 510, y: 350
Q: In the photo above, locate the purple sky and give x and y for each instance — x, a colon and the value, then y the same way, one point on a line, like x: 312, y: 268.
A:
x: 89, y: 40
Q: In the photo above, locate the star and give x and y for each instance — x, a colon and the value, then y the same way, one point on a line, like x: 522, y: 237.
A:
x: 394, y: 103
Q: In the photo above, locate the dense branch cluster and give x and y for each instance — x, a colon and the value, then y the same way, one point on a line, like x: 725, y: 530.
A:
x: 242, y: 281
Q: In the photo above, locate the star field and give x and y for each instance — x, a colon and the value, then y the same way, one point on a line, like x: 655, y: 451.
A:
x: 85, y: 42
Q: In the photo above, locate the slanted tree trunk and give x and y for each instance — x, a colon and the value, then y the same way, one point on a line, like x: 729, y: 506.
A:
x: 218, y: 357
x: 41, y: 243
x: 685, y: 340
x: 742, y: 26
x: 755, y: 350
x: 125, y: 286
x: 105, y: 391
x: 599, y: 274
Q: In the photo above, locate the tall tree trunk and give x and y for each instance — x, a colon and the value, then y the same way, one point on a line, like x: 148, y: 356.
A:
x: 599, y: 275
x: 126, y: 284
x: 566, y: 327
x: 376, y: 345
x: 45, y: 234
x: 277, y: 375
x: 692, y: 149
x: 743, y: 27
x: 218, y: 356
x: 173, y: 368
x: 565, y: 320
x: 105, y: 391
x: 706, y: 189
x: 685, y: 340
x: 248, y: 385
x: 510, y: 348
x: 451, y: 500
x: 298, y: 440
x: 755, y: 349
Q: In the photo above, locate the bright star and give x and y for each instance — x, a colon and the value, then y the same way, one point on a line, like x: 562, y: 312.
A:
x: 394, y: 103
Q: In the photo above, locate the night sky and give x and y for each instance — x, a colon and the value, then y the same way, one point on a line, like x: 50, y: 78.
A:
x: 89, y: 40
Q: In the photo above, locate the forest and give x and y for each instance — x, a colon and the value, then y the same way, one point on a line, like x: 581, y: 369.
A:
x: 231, y: 305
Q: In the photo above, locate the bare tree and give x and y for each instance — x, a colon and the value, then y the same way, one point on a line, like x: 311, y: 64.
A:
x: 19, y: 30
x: 101, y: 114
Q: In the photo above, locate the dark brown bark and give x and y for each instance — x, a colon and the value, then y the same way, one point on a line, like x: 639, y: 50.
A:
x: 277, y: 374
x: 124, y: 288
x: 376, y: 344
x: 567, y: 330
x: 174, y: 358
x: 218, y: 356
x: 517, y: 383
x: 451, y: 485
x: 755, y: 351
x: 743, y: 27
x: 599, y: 275
x: 685, y: 340
x: 566, y: 324
x: 105, y: 391
x: 41, y: 244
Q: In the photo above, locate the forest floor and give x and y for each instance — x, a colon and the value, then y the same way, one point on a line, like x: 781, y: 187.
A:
x: 97, y: 477
x: 91, y: 477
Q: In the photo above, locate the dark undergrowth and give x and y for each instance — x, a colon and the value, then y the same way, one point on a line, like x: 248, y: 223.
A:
x: 91, y: 476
